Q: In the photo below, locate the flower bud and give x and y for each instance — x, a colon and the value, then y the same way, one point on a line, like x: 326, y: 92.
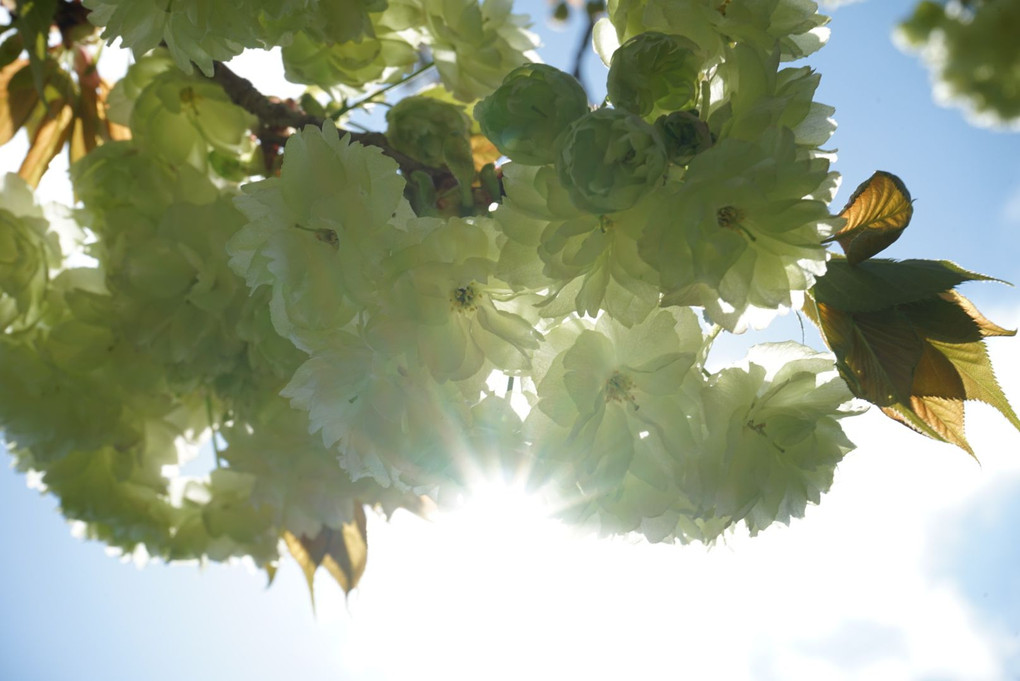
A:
x: 654, y: 73
x: 684, y: 134
x: 532, y: 108
x: 608, y: 159
x: 428, y: 130
x: 436, y: 133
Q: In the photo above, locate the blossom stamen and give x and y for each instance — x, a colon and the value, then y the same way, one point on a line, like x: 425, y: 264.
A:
x: 465, y: 298
x: 760, y: 429
x: 731, y: 217
x: 619, y: 389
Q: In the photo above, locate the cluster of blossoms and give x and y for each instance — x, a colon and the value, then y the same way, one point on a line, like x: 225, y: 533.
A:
x: 111, y: 372
x: 403, y: 317
x: 334, y: 44
x: 626, y: 429
x: 701, y: 186
x: 350, y: 345
x: 708, y: 164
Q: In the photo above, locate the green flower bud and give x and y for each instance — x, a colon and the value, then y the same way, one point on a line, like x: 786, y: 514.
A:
x: 608, y: 159
x: 532, y: 107
x: 434, y: 132
x: 684, y: 134
x: 654, y: 73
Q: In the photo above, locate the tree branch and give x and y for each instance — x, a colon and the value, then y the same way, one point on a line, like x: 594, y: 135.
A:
x: 271, y: 114
x: 582, y: 46
x: 275, y: 117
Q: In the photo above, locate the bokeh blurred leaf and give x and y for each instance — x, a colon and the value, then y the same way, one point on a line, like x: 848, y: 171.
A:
x: 483, y: 151
x: 70, y: 111
x: 92, y: 126
x: 11, y: 48
x: 343, y: 552
x: 49, y: 139
x: 18, y: 98
x: 34, y: 18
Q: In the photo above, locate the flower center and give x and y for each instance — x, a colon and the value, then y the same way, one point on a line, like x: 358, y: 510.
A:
x: 731, y: 217
x: 189, y: 99
x: 619, y: 389
x: 759, y: 428
x: 328, y: 236
x: 465, y: 298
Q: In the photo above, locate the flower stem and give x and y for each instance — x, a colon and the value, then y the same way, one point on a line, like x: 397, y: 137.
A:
x: 212, y: 428
x: 381, y: 91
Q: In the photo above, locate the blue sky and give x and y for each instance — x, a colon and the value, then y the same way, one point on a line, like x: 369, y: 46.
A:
x: 905, y: 571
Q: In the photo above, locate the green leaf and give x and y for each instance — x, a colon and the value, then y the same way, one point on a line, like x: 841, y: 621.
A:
x: 876, y: 214
x: 901, y: 343
x: 880, y: 284
x: 34, y: 20
x: 975, y: 372
x: 938, y: 418
x: 11, y: 47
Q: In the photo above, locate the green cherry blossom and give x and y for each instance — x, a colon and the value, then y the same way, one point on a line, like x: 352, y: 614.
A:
x: 608, y: 159
x: 653, y: 74
x: 530, y: 110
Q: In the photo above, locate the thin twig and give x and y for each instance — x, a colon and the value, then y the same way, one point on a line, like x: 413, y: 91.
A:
x: 407, y: 164
x: 367, y: 99
x: 582, y: 47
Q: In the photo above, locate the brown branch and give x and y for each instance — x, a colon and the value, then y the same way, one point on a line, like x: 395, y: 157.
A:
x: 271, y: 114
x: 407, y: 164
x: 275, y: 117
x: 583, y: 45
